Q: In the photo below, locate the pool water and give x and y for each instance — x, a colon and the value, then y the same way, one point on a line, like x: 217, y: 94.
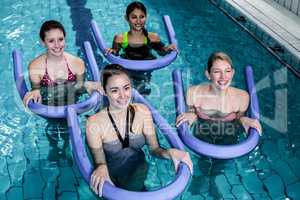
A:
x: 271, y: 171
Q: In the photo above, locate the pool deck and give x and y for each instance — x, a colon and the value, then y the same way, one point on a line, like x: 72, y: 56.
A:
x: 275, y: 20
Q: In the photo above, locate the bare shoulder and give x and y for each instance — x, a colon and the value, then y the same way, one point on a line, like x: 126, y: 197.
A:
x: 96, y: 122
x: 99, y: 116
x: 197, y: 89
x: 38, y: 62
x: 241, y: 94
x: 195, y: 93
x: 154, y: 37
x: 141, y: 109
x: 242, y: 98
x: 76, y: 63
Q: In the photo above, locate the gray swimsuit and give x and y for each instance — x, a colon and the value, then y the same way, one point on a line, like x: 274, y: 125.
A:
x: 121, y: 161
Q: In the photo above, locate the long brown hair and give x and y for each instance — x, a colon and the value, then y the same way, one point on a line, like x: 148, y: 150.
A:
x: 111, y: 70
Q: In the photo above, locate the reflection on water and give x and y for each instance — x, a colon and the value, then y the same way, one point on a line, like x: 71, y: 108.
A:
x: 217, y: 132
x: 61, y: 94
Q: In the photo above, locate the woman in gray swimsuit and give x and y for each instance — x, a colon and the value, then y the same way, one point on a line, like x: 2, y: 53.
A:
x: 116, y: 134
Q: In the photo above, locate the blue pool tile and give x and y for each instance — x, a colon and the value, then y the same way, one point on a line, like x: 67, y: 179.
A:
x: 49, y: 191
x: 223, y: 186
x: 4, y: 184
x: 275, y: 186
x: 68, y: 196
x: 84, y: 191
x: 16, y: 172
x: 66, y: 180
x: 240, y: 193
x: 33, y: 183
x: 3, y: 166
x: 285, y: 171
x: 252, y: 183
x: 293, y: 190
x: 294, y: 163
x: 15, y: 193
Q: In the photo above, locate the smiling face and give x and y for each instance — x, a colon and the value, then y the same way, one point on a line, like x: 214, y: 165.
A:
x: 54, y: 41
x: 221, y: 74
x: 118, y: 91
x: 136, y: 19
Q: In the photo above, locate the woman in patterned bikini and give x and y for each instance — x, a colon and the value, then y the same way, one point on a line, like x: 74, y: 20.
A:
x: 218, y: 101
x: 56, y: 77
x: 55, y: 67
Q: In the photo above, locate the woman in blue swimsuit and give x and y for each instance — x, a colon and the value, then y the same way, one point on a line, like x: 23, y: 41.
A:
x: 116, y: 134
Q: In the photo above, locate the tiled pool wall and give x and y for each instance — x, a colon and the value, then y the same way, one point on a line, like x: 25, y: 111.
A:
x: 291, y: 5
x: 274, y: 47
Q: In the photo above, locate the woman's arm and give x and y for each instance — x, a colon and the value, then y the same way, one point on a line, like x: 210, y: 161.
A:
x: 35, y: 78
x: 79, y: 69
x: 190, y: 116
x: 116, y: 45
x: 159, y: 46
x: 246, y: 121
x: 174, y: 154
x: 94, y: 141
x: 80, y: 83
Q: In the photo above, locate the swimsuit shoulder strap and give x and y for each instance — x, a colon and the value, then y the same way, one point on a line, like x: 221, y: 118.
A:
x: 125, y: 40
x: 125, y: 141
x: 71, y: 75
x: 46, y: 65
x: 146, y: 40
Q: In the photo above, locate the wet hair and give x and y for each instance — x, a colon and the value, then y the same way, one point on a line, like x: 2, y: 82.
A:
x: 218, y: 55
x: 50, y: 25
x: 137, y: 5
x: 112, y: 70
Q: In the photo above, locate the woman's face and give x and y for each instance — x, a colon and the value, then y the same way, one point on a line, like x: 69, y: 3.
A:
x: 118, y: 91
x: 136, y: 20
x: 221, y: 74
x: 54, y: 42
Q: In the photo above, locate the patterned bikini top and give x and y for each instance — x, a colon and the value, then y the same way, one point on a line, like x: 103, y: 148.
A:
x: 48, y: 82
x: 216, y: 115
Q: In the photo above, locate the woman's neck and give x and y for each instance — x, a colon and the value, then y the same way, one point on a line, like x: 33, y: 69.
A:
x: 217, y: 92
x: 136, y: 33
x: 55, y: 58
x: 116, y: 110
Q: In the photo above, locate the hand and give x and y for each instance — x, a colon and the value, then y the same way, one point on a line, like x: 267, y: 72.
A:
x: 189, y: 117
x: 34, y: 95
x: 251, y: 123
x: 178, y: 156
x: 171, y: 47
x: 98, y: 177
x: 93, y: 85
x: 110, y: 51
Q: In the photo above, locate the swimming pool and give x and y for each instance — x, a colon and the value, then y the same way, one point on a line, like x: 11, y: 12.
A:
x: 270, y: 172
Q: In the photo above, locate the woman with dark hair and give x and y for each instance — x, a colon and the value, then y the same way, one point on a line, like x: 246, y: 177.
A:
x: 57, y: 78
x: 116, y: 134
x: 56, y: 69
x: 136, y: 44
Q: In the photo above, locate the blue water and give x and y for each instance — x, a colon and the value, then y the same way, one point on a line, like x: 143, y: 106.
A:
x: 269, y: 172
